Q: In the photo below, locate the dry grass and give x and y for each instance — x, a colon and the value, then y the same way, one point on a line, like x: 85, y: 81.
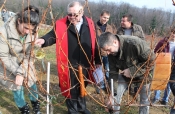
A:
x: 7, y: 105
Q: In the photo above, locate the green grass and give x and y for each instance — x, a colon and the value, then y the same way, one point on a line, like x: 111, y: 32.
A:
x: 50, y: 56
x: 7, y: 105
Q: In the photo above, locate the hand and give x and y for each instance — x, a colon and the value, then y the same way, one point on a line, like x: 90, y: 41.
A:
x: 126, y: 73
x: 19, y: 80
x: 39, y: 42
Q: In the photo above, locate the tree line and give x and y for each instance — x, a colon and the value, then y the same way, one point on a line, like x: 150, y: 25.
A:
x: 156, y: 20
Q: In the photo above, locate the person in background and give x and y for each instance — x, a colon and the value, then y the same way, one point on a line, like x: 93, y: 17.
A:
x: 17, y: 61
x: 129, y: 53
x: 5, y: 15
x: 75, y: 40
x: 129, y: 28
x: 172, y: 86
x: 169, y: 47
x: 101, y: 27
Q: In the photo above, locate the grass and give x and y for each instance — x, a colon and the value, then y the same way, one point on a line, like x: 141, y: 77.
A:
x: 7, y: 105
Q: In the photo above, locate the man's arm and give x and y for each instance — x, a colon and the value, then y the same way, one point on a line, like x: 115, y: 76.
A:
x: 50, y: 38
x: 46, y: 40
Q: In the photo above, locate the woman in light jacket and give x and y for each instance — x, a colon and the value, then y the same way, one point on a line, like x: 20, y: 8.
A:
x: 17, y: 58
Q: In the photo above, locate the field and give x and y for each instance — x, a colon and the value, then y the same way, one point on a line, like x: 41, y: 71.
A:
x: 7, y: 105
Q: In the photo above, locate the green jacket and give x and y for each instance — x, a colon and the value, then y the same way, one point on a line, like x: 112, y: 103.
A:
x: 134, y: 53
x: 136, y: 31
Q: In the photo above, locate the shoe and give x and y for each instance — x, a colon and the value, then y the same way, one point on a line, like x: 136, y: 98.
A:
x: 36, y: 107
x: 163, y: 102
x: 115, y: 94
x: 25, y: 109
x: 172, y: 111
x: 154, y: 101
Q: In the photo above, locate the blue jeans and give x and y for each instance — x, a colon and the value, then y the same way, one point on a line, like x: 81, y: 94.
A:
x: 102, y: 84
x: 172, y: 111
x: 166, y: 94
x: 144, y: 95
x: 106, y: 66
x: 19, y: 96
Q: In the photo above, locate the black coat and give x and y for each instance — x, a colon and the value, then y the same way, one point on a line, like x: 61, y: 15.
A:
x: 172, y: 79
x: 76, y: 54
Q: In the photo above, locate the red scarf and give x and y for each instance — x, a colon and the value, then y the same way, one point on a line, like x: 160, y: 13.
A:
x: 62, y: 53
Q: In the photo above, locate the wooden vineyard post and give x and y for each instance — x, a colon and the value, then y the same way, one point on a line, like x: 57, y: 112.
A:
x: 81, y: 78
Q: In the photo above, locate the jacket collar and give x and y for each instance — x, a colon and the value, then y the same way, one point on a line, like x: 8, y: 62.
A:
x: 72, y: 27
x: 107, y: 26
x: 132, y: 26
x: 121, y: 40
x: 99, y: 24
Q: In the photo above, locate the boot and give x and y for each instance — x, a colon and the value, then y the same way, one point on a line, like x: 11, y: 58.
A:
x: 25, y: 109
x: 36, y: 107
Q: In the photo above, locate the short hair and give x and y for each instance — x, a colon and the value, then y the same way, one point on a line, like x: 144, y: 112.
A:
x: 128, y: 16
x: 72, y: 4
x: 106, y: 38
x: 29, y: 14
x: 105, y: 11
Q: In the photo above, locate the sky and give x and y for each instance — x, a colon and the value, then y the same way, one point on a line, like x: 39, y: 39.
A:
x: 163, y: 4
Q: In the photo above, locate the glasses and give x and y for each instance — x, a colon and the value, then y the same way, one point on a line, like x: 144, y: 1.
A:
x: 71, y: 15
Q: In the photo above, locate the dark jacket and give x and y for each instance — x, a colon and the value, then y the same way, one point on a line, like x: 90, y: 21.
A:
x: 79, y: 47
x: 136, y: 31
x: 75, y: 54
x: 160, y: 44
x: 99, y: 32
x: 133, y: 54
x: 172, y: 78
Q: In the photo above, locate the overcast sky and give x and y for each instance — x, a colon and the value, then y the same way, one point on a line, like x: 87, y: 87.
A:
x: 164, y: 4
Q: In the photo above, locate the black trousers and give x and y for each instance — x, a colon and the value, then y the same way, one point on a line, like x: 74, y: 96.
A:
x: 76, y: 104
x: 172, y: 80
